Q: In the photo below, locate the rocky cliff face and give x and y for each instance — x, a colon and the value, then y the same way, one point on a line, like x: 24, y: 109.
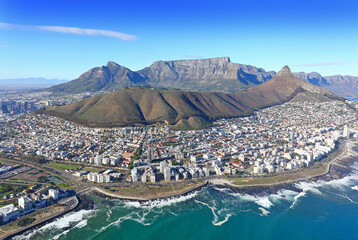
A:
x: 313, y: 77
x: 213, y: 74
x: 346, y: 86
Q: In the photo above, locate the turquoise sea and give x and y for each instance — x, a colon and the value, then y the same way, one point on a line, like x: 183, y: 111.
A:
x: 314, y: 210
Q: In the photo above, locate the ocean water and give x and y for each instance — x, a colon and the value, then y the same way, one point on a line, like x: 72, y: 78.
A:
x: 315, y: 210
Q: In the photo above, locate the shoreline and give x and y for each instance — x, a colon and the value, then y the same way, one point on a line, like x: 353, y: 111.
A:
x: 337, y: 168
x: 43, y: 222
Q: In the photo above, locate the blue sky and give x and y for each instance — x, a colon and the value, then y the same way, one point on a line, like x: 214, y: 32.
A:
x: 64, y: 38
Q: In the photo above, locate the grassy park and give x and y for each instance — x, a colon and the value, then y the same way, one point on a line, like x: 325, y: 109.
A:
x: 63, y: 166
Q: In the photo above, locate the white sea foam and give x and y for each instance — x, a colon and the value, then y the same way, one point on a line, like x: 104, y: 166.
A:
x: 142, y: 218
x: 287, y: 194
x: 223, y: 221
x: 213, y: 209
x: 295, y: 199
x: 264, y: 202
x: 140, y: 214
x: 264, y: 211
x: 117, y: 222
x: 81, y: 224
x: 309, y: 186
x: 315, y: 186
x: 61, y: 234
x: 175, y: 214
x: 345, y: 196
x: 245, y: 197
x: 109, y: 212
x: 222, y: 189
x: 60, y: 223
x: 132, y: 204
x: 66, y: 220
x: 160, y: 202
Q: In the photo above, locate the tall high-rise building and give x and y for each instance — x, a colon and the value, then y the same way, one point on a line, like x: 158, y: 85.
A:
x: 149, y: 154
x: 345, y: 131
x: 167, y: 174
x: 25, y: 203
x: 53, y: 193
x: 292, y: 136
x: 97, y: 160
x: 134, y: 174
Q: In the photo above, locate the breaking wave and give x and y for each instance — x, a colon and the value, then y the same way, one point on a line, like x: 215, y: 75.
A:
x: 61, y: 223
x: 160, y: 203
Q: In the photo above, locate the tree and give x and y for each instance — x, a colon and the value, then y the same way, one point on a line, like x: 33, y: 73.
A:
x: 130, y: 165
x: 42, y: 179
x: 137, y: 153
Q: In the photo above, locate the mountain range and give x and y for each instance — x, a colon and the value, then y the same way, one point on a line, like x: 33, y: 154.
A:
x: 345, y: 86
x: 183, y: 109
x: 213, y: 74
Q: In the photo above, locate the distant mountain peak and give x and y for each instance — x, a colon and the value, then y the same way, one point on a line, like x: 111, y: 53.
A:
x: 285, y: 71
x: 112, y: 64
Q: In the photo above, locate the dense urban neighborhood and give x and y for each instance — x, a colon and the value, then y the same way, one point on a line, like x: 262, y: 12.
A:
x: 284, y: 137
x: 275, y: 140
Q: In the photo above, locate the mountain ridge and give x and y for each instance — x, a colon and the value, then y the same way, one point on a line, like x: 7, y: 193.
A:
x: 186, y: 110
x: 211, y: 74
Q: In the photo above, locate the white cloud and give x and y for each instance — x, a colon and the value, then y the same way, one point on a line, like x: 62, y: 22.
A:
x: 72, y: 30
x: 4, y: 46
x: 6, y: 25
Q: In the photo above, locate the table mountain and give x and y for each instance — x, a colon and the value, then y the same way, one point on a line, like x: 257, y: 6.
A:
x: 213, y: 74
x: 186, y: 110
